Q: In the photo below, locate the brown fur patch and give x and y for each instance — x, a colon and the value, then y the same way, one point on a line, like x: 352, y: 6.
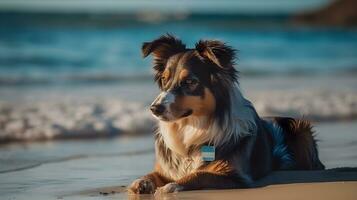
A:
x: 301, y: 142
x: 158, y: 178
x: 221, y: 167
x: 166, y: 75
x: 209, y: 180
x: 200, y: 106
x: 184, y: 74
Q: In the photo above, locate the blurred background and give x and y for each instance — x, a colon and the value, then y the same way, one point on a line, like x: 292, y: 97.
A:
x: 73, y: 69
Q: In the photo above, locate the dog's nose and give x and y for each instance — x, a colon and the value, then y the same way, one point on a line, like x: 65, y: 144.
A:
x: 157, y: 109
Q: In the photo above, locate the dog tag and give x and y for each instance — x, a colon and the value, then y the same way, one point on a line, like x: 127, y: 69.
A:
x: 208, y: 153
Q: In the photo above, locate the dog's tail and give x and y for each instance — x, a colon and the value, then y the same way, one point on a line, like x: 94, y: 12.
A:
x: 300, y: 141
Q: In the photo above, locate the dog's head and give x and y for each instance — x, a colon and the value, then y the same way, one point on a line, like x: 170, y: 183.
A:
x: 194, y: 82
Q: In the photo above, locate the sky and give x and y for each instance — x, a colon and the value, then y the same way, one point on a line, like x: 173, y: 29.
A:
x: 122, y: 6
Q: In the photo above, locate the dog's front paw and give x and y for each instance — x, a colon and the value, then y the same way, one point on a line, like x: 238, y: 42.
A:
x: 169, y: 188
x: 142, y: 186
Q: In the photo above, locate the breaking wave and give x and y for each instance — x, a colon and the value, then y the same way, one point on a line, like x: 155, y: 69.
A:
x: 106, y: 118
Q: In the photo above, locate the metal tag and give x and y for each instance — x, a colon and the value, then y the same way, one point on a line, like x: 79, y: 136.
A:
x: 208, y: 153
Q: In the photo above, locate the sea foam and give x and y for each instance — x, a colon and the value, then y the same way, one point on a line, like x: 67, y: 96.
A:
x: 106, y: 117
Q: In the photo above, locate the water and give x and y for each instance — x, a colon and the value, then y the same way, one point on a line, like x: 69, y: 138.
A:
x: 50, y: 52
x: 70, y: 167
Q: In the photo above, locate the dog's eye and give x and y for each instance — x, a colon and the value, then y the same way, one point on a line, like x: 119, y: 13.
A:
x: 191, y: 82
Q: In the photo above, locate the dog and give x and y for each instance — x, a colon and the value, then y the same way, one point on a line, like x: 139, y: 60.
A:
x: 209, y: 136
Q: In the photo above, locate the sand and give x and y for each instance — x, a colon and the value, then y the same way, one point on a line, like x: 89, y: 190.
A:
x: 81, y: 169
x: 329, y: 184
x: 325, y: 191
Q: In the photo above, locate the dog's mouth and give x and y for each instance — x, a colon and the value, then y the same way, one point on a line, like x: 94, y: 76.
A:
x: 167, y: 119
x: 187, y: 113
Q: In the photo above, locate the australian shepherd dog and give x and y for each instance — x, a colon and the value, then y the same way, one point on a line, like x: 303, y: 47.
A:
x: 209, y: 136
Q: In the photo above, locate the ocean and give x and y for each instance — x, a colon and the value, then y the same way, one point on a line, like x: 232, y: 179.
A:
x: 41, y: 53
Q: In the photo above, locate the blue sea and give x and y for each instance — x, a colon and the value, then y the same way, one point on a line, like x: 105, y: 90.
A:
x: 43, y: 49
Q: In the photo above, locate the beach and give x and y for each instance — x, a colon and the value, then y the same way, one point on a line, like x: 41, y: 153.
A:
x: 92, y: 169
x: 75, y: 92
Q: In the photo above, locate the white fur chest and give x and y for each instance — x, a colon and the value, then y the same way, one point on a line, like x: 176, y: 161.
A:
x: 179, y: 166
x: 178, y: 139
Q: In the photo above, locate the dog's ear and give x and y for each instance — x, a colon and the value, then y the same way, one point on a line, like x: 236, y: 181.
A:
x: 217, y: 52
x: 162, y: 48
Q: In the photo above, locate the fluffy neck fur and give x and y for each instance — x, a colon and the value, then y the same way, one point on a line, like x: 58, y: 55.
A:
x: 239, y: 122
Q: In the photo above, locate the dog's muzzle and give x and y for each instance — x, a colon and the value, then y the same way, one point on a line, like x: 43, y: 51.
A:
x: 161, y: 104
x: 157, y: 109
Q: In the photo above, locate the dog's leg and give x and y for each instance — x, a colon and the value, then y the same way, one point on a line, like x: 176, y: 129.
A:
x: 148, y: 184
x: 205, y: 180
